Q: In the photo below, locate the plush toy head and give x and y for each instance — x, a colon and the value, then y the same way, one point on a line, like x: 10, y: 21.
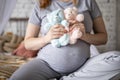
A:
x: 55, y: 17
x: 71, y: 14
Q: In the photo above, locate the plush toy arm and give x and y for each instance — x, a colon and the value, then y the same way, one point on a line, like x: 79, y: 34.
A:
x: 75, y: 35
x: 65, y: 23
x: 55, y: 43
x: 80, y: 17
x: 64, y: 40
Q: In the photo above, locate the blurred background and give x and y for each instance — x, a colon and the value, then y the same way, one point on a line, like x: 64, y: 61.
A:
x: 110, y: 10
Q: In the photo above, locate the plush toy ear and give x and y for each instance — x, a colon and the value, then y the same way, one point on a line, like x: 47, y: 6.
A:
x: 80, y: 17
x: 75, y: 9
x: 61, y: 14
x: 66, y: 10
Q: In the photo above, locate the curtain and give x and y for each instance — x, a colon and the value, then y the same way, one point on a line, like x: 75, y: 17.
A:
x: 6, y: 8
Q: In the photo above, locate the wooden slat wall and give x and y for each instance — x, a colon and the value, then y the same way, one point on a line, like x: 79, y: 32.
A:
x: 17, y: 26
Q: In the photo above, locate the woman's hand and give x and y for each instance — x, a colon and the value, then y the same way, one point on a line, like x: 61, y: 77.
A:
x: 100, y: 34
x: 55, y: 32
x: 80, y: 27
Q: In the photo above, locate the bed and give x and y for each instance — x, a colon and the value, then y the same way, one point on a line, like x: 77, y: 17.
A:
x: 111, y: 66
x: 10, y: 63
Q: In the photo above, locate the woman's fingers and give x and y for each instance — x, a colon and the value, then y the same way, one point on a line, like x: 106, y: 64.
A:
x: 56, y: 31
x: 77, y: 26
x: 56, y: 36
x: 59, y: 28
x: 79, y: 29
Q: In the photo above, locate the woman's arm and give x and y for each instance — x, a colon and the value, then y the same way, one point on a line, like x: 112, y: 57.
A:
x: 100, y: 35
x: 33, y: 42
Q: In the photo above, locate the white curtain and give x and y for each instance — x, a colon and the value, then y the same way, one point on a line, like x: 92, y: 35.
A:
x: 6, y: 8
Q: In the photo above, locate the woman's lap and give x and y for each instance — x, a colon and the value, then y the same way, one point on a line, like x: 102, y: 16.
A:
x: 34, y: 70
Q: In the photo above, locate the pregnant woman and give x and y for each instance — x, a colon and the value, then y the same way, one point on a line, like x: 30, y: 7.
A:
x: 52, y: 62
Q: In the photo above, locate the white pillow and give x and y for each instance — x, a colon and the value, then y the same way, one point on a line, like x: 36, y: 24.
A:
x: 101, y: 67
x: 93, y: 51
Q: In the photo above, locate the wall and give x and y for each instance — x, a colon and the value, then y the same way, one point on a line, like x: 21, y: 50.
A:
x: 108, y: 8
x: 23, y: 8
x: 118, y: 25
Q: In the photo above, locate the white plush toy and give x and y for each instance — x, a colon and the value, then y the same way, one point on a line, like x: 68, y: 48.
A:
x: 72, y: 16
x: 68, y: 18
x: 57, y: 17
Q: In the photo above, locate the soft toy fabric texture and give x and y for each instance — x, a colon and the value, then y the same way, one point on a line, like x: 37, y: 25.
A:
x: 72, y: 16
x: 67, y: 18
x: 57, y: 17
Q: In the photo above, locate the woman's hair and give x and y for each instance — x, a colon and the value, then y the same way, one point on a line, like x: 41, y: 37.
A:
x: 46, y: 3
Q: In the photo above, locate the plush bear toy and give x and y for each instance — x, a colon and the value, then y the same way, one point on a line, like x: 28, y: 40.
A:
x: 57, y: 17
x: 68, y: 17
x: 72, y: 16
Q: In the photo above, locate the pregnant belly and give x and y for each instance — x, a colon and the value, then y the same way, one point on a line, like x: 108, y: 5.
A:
x: 65, y: 59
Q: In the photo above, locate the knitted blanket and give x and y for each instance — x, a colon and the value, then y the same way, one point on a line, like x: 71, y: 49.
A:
x: 9, y: 63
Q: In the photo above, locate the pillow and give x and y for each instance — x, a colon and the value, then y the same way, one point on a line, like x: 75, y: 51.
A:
x: 93, y: 51
x: 22, y: 51
x: 101, y: 67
